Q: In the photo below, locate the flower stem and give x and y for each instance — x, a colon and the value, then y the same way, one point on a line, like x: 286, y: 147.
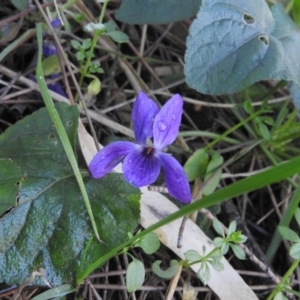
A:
x: 283, y: 281
x: 93, y: 44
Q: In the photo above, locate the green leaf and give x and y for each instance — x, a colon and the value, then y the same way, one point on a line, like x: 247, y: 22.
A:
x: 219, y: 242
x: 149, y: 243
x: 248, y: 107
x: 232, y: 44
x: 238, y: 252
x: 79, y: 17
x: 213, y: 177
x: 297, y: 215
x: 80, y: 56
x: 118, y: 36
x: 192, y: 255
x: 9, y: 32
x: 218, y: 266
x: 19, y: 4
x: 296, y: 12
x: 94, y: 87
x: 218, y: 226
x: 51, y: 65
x: 263, y: 129
x: 280, y: 296
x: 135, y: 275
x: 50, y: 211
x: 75, y: 44
x: 110, y: 26
x: 216, y: 261
x: 86, y: 44
x: 196, y: 164
x: 204, y: 273
x: 288, y: 234
x: 58, y: 291
x: 168, y: 273
x: 295, y: 251
x: 10, y: 180
x: 156, y: 11
x: 232, y: 227
x: 224, y: 248
x: 243, y: 238
x: 96, y: 28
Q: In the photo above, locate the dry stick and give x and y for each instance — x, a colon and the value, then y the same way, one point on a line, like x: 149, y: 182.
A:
x: 151, y: 288
x: 219, y: 105
x: 173, y: 284
x: 102, y: 119
x: 111, y: 77
x: 151, y: 49
x: 96, y: 295
x: 9, y: 86
x: 142, y: 48
x: 22, y: 14
x: 119, y: 267
x: 63, y: 55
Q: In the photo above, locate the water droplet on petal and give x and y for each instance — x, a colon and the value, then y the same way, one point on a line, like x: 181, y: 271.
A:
x: 173, y: 117
x: 103, y: 156
x: 130, y: 161
x: 162, y: 125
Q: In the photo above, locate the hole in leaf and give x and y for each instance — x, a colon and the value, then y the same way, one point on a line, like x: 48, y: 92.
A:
x: 248, y: 19
x: 18, y: 183
x: 17, y: 199
x: 8, y: 210
x: 264, y: 40
x: 69, y: 123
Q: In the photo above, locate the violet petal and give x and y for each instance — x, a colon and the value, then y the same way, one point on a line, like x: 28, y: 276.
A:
x: 140, y: 168
x: 55, y: 87
x: 176, y: 179
x: 110, y: 156
x: 48, y: 48
x: 56, y: 23
x: 143, y: 114
x: 167, y: 122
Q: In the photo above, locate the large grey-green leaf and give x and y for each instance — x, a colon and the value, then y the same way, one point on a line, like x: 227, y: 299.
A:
x: 49, y: 224
x: 156, y: 11
x: 234, y: 43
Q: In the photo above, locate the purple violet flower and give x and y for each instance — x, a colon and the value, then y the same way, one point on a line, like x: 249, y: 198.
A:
x: 48, y: 45
x: 142, y: 162
x: 48, y: 48
x: 56, y: 23
x: 56, y: 87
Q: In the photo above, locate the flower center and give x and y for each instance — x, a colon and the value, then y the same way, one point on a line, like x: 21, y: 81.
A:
x: 148, y: 151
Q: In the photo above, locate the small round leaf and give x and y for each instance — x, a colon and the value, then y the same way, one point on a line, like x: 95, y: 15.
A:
x: 135, y: 275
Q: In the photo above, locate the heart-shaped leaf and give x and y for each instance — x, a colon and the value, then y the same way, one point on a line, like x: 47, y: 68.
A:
x: 49, y: 224
x: 156, y: 11
x: 234, y: 43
